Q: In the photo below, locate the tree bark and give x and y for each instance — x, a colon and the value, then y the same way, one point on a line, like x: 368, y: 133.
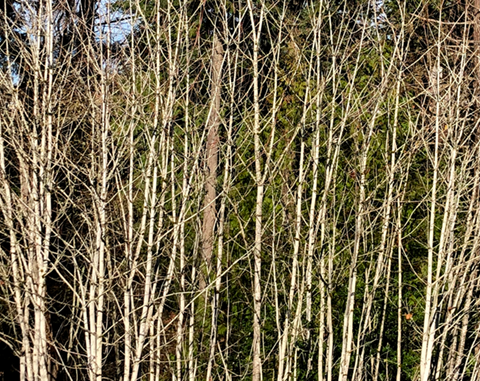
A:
x: 213, y: 122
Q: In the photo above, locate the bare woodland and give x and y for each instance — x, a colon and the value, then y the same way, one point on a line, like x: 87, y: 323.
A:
x: 239, y: 190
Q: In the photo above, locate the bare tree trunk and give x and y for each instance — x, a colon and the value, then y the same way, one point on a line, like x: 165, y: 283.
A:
x: 429, y: 318
x: 347, y: 336
x: 400, y: 285
x: 220, y: 250
x: 28, y: 212
x: 213, y: 122
x: 259, y: 180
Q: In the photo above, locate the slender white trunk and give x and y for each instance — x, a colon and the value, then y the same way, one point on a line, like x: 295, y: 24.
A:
x: 347, y: 336
x: 257, y: 247
x: 400, y: 295
x: 429, y: 318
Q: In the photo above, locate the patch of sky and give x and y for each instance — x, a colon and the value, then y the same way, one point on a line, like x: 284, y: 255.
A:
x: 110, y: 23
x: 114, y: 23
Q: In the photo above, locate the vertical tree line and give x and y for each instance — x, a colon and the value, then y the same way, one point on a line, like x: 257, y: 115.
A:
x: 239, y: 190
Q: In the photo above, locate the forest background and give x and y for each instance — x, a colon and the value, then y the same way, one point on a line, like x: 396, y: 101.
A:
x: 239, y: 190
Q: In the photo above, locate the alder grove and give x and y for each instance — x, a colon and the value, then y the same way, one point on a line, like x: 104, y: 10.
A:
x: 239, y: 190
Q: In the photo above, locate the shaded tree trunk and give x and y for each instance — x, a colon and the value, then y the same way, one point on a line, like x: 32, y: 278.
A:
x: 213, y: 122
